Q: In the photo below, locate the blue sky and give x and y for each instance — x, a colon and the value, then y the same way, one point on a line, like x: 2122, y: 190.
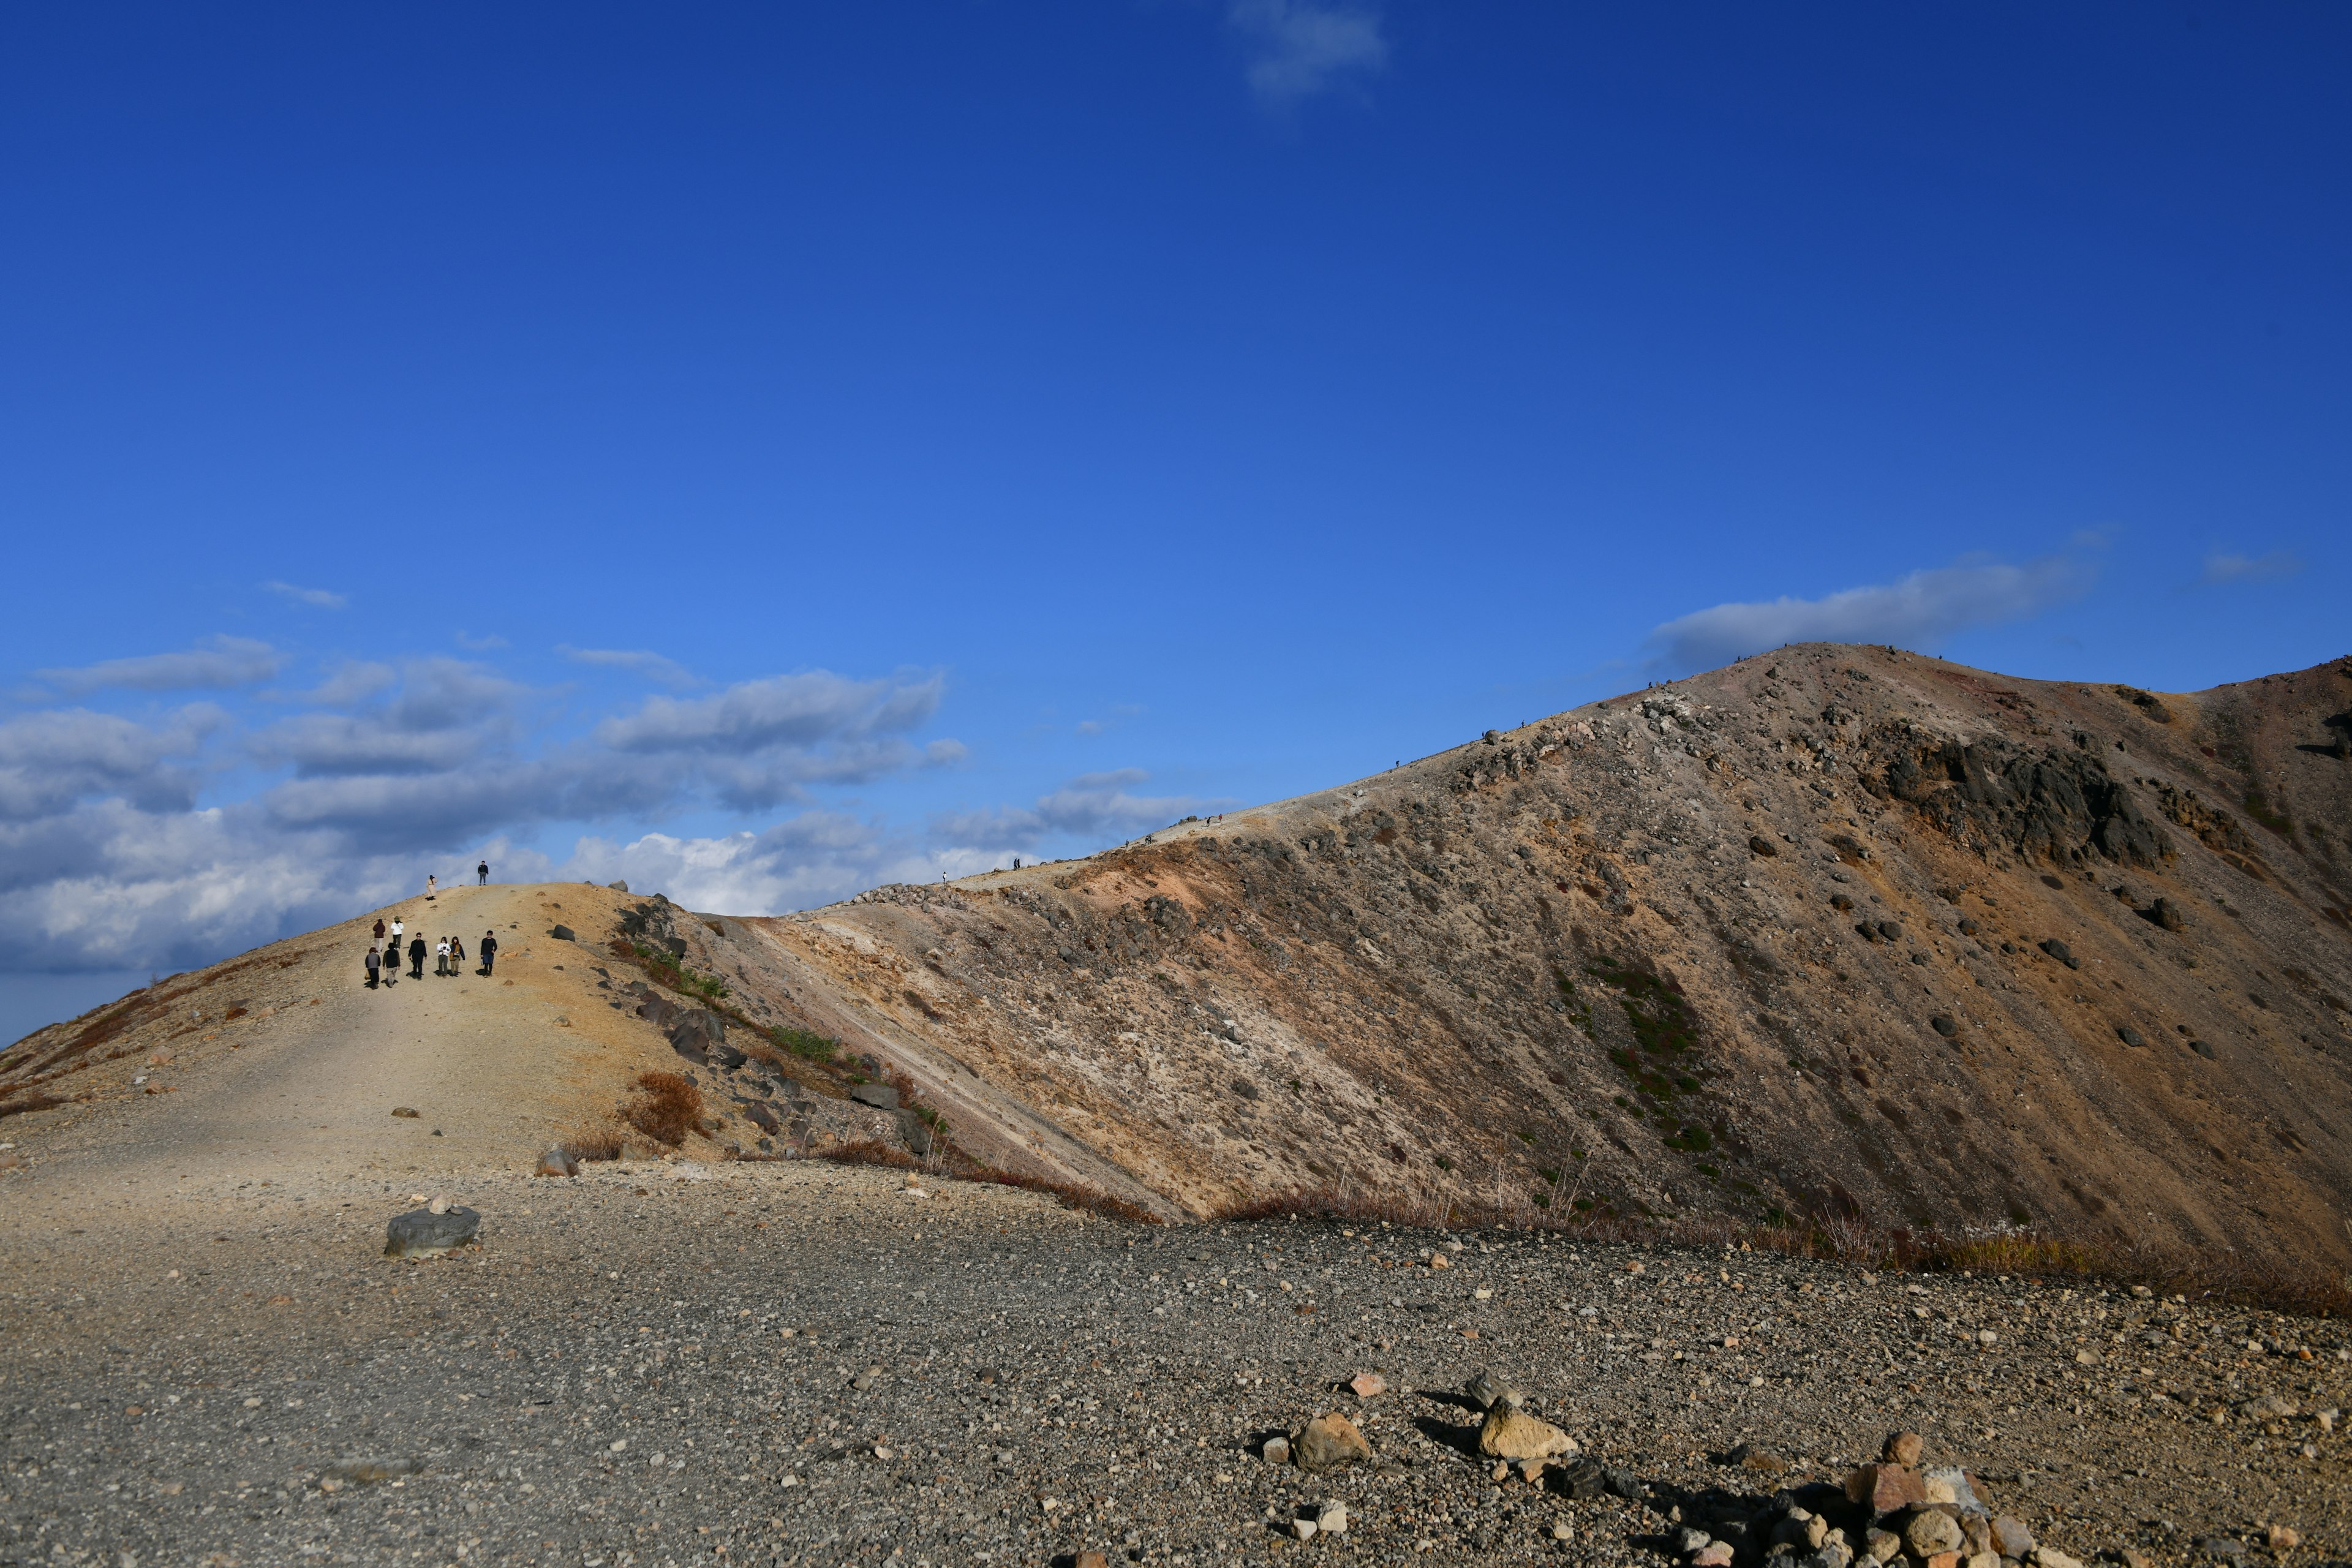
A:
x: 761, y: 451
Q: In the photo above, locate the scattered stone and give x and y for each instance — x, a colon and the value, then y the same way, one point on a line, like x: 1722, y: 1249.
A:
x: 1882, y: 1546
x: 2202, y: 1049
x: 1487, y: 1390
x: 2010, y: 1538
x: 1581, y: 1481
x: 406, y: 1113
x: 1562, y: 1530
x: 564, y: 933
x: 422, y: 1233
x: 618, y: 886
x: 2166, y: 915
x: 1510, y: 1433
x: 1368, y: 1384
x: 1304, y: 1529
x: 880, y: 1096
x: 2268, y: 1407
x: 915, y: 1133
x: 1762, y: 846
x: 1902, y: 1449
x: 1945, y: 1025
x: 1756, y: 1456
x: 1929, y: 1531
x: 2059, y: 951
x: 2128, y: 1034
x: 2279, y: 1538
x: 2045, y: 1557
x: 1331, y: 1519
x: 2227, y: 1549
x: 439, y: 1205
x: 1329, y: 1442
x: 1884, y: 1488
x: 557, y: 1162
x: 1090, y: 1560
x: 1714, y: 1554
x: 1277, y: 1450
x: 763, y: 1117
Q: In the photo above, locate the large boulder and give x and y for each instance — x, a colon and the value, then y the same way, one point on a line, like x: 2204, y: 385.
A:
x: 880, y: 1096
x: 1329, y: 1443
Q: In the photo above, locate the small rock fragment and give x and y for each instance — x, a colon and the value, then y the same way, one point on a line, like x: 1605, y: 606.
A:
x: 1929, y: 1530
x: 1902, y: 1448
x: 1366, y: 1384
x: 1510, y: 1433
x: 1277, y: 1450
x: 2010, y: 1538
x: 405, y: 1112
x: 2281, y: 1538
x: 1331, y: 1519
x: 1304, y: 1529
x: 557, y: 1162
x: 1329, y: 1442
x: 1759, y: 844
x: 1487, y: 1390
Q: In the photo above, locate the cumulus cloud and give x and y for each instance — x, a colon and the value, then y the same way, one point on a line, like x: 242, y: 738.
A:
x: 815, y: 857
x: 48, y: 761
x: 2221, y: 568
x: 1300, y: 48
x: 653, y: 666
x: 1919, y: 611
x: 317, y: 598
x: 798, y: 711
x: 1092, y: 805
x: 214, y: 664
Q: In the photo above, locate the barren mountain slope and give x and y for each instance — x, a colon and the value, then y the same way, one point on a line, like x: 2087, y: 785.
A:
x: 1769, y: 939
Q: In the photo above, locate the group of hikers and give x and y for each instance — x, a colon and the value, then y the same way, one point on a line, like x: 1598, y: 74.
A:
x: 384, y: 954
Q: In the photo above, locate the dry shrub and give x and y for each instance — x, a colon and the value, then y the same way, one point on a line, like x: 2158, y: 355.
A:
x: 29, y: 1102
x: 869, y: 1151
x: 590, y: 1144
x: 665, y: 1108
x: 1072, y: 1194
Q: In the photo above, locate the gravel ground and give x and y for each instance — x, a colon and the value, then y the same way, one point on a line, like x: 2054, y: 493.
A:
x: 801, y: 1363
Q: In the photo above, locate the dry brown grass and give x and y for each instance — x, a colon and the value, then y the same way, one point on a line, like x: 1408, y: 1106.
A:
x: 665, y: 1108
x: 24, y: 1103
x: 1069, y: 1194
x: 594, y: 1143
x: 2229, y: 1278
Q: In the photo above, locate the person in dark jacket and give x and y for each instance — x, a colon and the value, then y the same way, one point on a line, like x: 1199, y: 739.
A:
x: 416, y: 957
x: 483, y: 872
x: 379, y: 931
x: 374, y: 963
x: 489, y: 950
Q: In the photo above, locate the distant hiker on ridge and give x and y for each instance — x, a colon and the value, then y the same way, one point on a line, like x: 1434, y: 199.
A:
x: 416, y: 957
x: 432, y: 887
x: 483, y: 871
x: 489, y: 950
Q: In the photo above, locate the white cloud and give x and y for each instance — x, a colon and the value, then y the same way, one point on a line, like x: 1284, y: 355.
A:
x: 816, y: 857
x: 2221, y: 568
x: 317, y: 598
x: 214, y: 664
x: 656, y: 667
x: 50, y: 760
x: 797, y: 710
x: 1300, y: 48
x: 1919, y: 611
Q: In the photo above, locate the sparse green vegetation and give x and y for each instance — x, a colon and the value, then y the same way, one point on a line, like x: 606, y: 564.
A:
x: 663, y: 966
x: 803, y: 1044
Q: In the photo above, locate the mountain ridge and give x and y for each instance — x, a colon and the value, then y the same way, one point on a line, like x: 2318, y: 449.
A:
x: 1837, y: 931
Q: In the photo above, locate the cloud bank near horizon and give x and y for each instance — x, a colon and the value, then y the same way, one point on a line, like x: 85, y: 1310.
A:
x: 170, y: 836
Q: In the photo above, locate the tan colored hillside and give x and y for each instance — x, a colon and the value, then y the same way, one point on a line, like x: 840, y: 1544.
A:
x: 1621, y: 945
x: 1838, y: 931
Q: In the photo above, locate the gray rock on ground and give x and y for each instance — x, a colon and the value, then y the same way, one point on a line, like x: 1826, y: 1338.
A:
x: 420, y: 1233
